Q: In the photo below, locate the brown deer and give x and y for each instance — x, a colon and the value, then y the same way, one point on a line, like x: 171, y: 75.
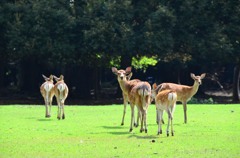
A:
x: 164, y: 100
x: 47, y: 92
x: 184, y: 93
x: 140, y: 96
x: 61, y: 93
x: 126, y: 85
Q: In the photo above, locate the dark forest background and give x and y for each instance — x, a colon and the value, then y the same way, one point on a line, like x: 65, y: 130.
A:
x: 163, y: 40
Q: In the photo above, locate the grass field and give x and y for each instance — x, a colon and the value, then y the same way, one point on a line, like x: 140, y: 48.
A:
x: 95, y: 131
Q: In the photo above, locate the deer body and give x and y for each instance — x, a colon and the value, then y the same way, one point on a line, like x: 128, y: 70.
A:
x: 184, y: 93
x: 126, y: 85
x: 165, y: 100
x: 47, y: 92
x: 61, y: 93
x: 140, y: 96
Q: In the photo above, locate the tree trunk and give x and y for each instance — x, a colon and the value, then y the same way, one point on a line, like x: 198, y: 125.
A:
x: 236, y: 84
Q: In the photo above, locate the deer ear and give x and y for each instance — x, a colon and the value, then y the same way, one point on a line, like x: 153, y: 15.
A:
x: 129, y: 76
x: 51, y: 77
x: 203, y: 75
x: 114, y: 70
x: 61, y: 77
x: 55, y: 77
x: 45, y: 78
x: 192, y: 76
x: 154, y: 86
x: 128, y: 70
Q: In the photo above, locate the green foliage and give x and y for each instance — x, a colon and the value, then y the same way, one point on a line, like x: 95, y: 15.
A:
x: 143, y: 62
x: 201, y: 101
x: 88, y: 131
x: 68, y: 32
x: 57, y: 33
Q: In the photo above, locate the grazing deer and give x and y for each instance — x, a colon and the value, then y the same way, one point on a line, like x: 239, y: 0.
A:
x: 140, y: 96
x: 123, y: 77
x: 184, y: 93
x: 61, y: 93
x: 164, y: 100
x: 47, y: 92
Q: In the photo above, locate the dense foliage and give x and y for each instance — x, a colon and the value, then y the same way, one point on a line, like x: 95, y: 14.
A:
x: 85, y: 37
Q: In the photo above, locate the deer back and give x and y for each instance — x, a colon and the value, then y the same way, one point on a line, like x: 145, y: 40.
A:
x: 183, y: 91
x: 166, y: 98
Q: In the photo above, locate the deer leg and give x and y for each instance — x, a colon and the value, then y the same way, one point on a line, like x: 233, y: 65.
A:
x: 50, y: 105
x: 157, y: 118
x: 169, y: 120
x: 172, y: 112
x: 63, y: 114
x: 59, y: 109
x: 172, y: 131
x: 138, y: 118
x: 145, y: 121
x: 160, y: 112
x: 46, y: 106
x: 132, y: 118
x: 185, y: 111
x: 124, y: 109
x: 46, y: 115
x: 142, y: 118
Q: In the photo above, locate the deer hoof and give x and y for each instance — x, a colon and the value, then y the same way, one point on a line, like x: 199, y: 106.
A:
x: 135, y: 125
x: 130, y: 130
x: 58, y: 118
x: 146, y: 130
x: 122, y: 124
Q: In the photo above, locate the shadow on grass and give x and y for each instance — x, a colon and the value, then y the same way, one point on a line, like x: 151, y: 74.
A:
x: 143, y: 136
x: 39, y: 119
x: 44, y: 120
x: 115, y: 128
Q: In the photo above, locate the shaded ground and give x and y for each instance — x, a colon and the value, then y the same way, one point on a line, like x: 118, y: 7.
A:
x: 216, y: 97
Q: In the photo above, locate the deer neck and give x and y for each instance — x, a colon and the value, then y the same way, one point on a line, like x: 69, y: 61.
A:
x: 123, y: 85
x: 195, y: 88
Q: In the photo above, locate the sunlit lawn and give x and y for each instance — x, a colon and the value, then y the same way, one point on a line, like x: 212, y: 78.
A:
x: 95, y: 131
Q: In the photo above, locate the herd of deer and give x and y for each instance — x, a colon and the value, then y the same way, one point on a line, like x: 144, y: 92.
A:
x: 138, y: 93
x: 59, y: 90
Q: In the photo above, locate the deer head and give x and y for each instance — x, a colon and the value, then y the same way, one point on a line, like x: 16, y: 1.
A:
x: 123, y: 75
x: 198, y: 79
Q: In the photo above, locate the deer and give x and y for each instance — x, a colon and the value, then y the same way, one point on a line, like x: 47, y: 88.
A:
x: 140, y: 96
x: 184, y: 92
x: 165, y: 100
x: 47, y: 92
x: 61, y: 93
x: 123, y: 77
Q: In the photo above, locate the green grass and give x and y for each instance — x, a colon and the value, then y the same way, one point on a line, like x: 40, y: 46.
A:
x: 95, y: 131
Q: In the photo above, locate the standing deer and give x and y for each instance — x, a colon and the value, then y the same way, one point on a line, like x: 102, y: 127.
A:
x: 164, y: 100
x: 184, y: 93
x: 61, y: 93
x: 140, y: 95
x: 123, y: 77
x: 47, y: 92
